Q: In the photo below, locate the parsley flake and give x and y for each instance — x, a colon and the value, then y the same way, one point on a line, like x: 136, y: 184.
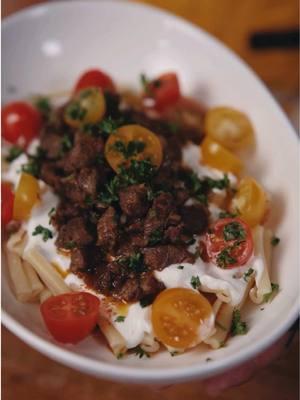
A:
x: 275, y: 241
x: 131, y: 149
x: 155, y: 237
x: 14, y: 152
x: 135, y: 262
x: 180, y: 267
x: 140, y: 353
x: 195, y: 282
x: 238, y: 327
x: 146, y: 301
x: 43, y: 104
x: 274, y: 290
x: 234, y: 231
x: 120, y: 318
x: 45, y: 232
x: 248, y: 274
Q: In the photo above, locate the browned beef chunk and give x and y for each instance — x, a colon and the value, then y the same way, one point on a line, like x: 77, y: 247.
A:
x: 160, y: 257
x: 74, y: 232
x: 79, y: 259
x: 107, y: 229
x: 181, y: 196
x: 158, y: 214
x: 84, y: 153
x: 130, y: 244
x: 133, y: 200
x: 64, y: 211
x: 49, y: 174
x: 195, y: 218
x: 110, y: 278
x: 130, y: 290
x: 137, y: 225
x: 149, y: 285
x: 51, y: 143
x: 86, y: 259
x: 81, y: 187
x: 173, y: 233
x: 171, y: 148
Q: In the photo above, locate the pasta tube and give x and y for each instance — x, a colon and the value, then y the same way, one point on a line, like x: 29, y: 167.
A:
x: 33, y: 279
x: 114, y: 339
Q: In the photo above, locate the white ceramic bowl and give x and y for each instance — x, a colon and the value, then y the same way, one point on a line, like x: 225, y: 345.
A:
x: 45, y: 48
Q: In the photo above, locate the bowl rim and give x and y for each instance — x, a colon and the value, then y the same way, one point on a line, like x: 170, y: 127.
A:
x: 128, y: 373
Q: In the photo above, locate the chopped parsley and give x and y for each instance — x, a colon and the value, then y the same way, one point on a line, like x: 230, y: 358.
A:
x: 140, y: 353
x: 120, y: 318
x: 180, y: 267
x: 70, y: 245
x: 14, y: 152
x: 120, y: 356
x: 174, y: 353
x: 110, y: 125
x: 224, y: 258
x: 234, y: 231
x: 275, y: 241
x: 274, y: 290
x: 51, y: 212
x: 75, y: 111
x: 208, y: 359
x: 45, y: 232
x: 131, y: 149
x: 155, y: 237
x: 34, y: 164
x: 238, y: 327
x: 145, y: 84
x: 146, y: 301
x: 217, y: 183
x: 247, y: 274
x: 195, y: 282
x: 135, y: 262
x: 66, y: 144
x: 43, y: 104
x: 226, y: 214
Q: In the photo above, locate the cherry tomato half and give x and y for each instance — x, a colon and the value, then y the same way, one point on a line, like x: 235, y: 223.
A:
x: 229, y: 127
x: 25, y: 197
x: 7, y: 203
x: 217, y: 156
x: 177, y: 315
x: 164, y: 91
x: 20, y: 123
x: 229, y: 243
x: 250, y: 201
x: 71, y: 317
x: 95, y: 78
x: 133, y: 142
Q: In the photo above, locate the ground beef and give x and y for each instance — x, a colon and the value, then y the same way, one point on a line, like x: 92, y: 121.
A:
x: 107, y: 229
x: 160, y: 257
x: 133, y: 200
x: 73, y: 233
x: 195, y: 218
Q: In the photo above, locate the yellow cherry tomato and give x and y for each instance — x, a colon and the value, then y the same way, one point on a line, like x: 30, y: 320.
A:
x: 25, y: 197
x: 132, y: 142
x: 250, y: 201
x: 216, y: 156
x: 229, y: 127
x: 87, y: 106
x: 177, y: 315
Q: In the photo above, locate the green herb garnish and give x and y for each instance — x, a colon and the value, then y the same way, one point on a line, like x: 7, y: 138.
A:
x: 120, y: 318
x: 234, y: 231
x: 247, y: 274
x: 140, y: 352
x: 14, y: 152
x: 226, y: 214
x: 135, y: 262
x: 180, y: 267
x: 66, y: 144
x: 45, y: 232
x: 195, y: 282
x: 146, y: 301
x: 131, y: 149
x: 70, y: 245
x: 274, y: 290
x: 43, y: 104
x: 238, y: 327
x: 275, y: 241
x: 75, y: 111
x: 34, y: 164
x: 120, y: 355
x: 155, y: 237
x: 224, y: 258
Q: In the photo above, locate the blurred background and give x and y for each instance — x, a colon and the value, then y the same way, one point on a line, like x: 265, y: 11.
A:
x: 265, y: 33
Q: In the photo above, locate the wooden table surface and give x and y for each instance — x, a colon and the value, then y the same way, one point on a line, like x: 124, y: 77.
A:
x: 26, y: 374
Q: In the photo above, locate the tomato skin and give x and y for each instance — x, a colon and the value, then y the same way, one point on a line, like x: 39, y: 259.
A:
x: 95, y: 78
x: 165, y: 91
x: 215, y: 243
x: 71, y: 317
x: 7, y: 203
x: 20, y: 123
x: 26, y: 196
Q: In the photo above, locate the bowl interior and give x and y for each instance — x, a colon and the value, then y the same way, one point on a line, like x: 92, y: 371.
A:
x: 47, y: 47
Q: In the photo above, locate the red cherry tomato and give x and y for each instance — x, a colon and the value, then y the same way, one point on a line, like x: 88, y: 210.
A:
x: 165, y: 91
x: 71, y: 317
x: 20, y: 123
x: 229, y: 243
x: 7, y: 203
x: 95, y: 77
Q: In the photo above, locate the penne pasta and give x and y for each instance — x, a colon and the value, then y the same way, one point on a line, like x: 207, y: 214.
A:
x: 223, y: 325
x: 20, y: 283
x: 149, y: 344
x: 17, y: 242
x: 114, y: 339
x: 44, y: 295
x: 46, y: 272
x: 33, y: 279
